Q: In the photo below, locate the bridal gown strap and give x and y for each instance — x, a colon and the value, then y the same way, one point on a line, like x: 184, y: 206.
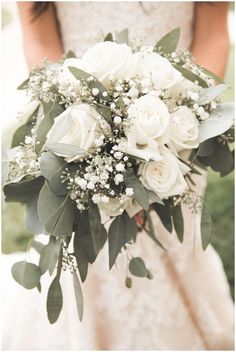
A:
x: 187, y: 305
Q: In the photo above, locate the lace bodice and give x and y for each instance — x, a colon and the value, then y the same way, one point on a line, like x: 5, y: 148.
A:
x: 84, y: 23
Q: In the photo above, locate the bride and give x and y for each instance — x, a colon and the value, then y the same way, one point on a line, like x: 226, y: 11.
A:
x: 187, y: 306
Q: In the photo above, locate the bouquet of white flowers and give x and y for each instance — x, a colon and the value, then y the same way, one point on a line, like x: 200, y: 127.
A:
x: 120, y: 130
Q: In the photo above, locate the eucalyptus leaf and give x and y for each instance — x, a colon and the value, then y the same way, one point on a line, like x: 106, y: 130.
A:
x: 122, y: 37
x: 108, y: 38
x: 23, y: 85
x: 190, y: 75
x: 210, y: 74
x: 98, y: 231
x: 207, y: 147
x: 95, y: 83
x: 51, y: 111
x: 54, y: 301
x: 78, y: 295
x: 84, y: 237
x: 138, y: 268
x: 70, y: 54
x: 206, y: 228
x: 32, y: 222
x: 178, y: 222
x: 22, y: 191
x: 169, y: 42
x: 38, y: 246
x: 128, y: 282
x: 56, y: 213
x: 49, y: 256
x: 82, y: 262
x: 26, y: 274
x: 140, y: 193
x: 208, y: 94
x: 164, y: 213
x: 105, y: 111
x: 122, y: 230
x: 66, y: 150
x: 52, y: 167
x: 221, y: 160
x: 218, y: 122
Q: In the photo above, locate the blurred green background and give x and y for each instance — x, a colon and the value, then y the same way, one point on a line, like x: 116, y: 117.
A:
x: 219, y: 199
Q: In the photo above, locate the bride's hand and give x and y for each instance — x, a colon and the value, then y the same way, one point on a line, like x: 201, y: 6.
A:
x: 139, y: 218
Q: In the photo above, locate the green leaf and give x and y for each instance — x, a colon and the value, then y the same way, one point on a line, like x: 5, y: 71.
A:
x: 38, y: 246
x: 104, y: 111
x: 66, y: 150
x: 51, y: 110
x: 78, y: 295
x: 207, y: 147
x: 140, y: 193
x: 138, y: 268
x: 26, y: 274
x: 211, y: 74
x: 32, y: 222
x: 52, y: 167
x: 22, y: 191
x: 83, y: 232
x: 56, y: 213
x: 54, y: 301
x: 208, y: 94
x: 49, y: 256
x: 81, y: 260
x: 151, y: 232
x: 164, y: 213
x: 218, y: 122
x: 23, y: 85
x: 190, y: 75
x: 24, y: 130
x: 122, y: 37
x: 178, y: 222
x: 108, y: 38
x: 221, y: 160
x: 98, y: 231
x: 128, y: 282
x: 95, y: 83
x: 70, y: 54
x: 206, y: 227
x: 122, y: 230
x: 169, y: 42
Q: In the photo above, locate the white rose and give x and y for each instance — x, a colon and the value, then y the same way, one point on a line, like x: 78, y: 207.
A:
x: 184, y: 129
x: 154, y: 66
x: 105, y: 59
x: 78, y: 126
x: 114, y: 207
x: 149, y: 120
x: 164, y: 177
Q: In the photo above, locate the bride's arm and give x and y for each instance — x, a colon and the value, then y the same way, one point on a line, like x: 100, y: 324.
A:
x: 41, y: 35
x: 210, y: 37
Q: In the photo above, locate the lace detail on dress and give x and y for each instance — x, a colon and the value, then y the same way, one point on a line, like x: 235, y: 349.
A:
x: 85, y: 23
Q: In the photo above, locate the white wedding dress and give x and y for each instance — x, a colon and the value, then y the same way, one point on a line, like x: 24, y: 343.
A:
x: 187, y: 305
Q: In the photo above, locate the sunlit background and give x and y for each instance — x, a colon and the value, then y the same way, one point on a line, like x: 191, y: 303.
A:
x: 220, y: 191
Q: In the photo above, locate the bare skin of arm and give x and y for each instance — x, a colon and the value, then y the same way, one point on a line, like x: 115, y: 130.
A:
x: 209, y: 47
x: 41, y: 37
x: 211, y: 40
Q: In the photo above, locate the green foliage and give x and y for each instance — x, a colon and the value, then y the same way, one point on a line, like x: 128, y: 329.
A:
x: 55, y: 213
x: 81, y: 260
x: 140, y: 193
x: 122, y: 230
x: 164, y: 212
x: 54, y: 301
x: 26, y: 274
x: 178, y: 222
x: 21, y: 192
x: 169, y: 42
x: 78, y: 295
x: 190, y: 75
x: 138, y: 268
